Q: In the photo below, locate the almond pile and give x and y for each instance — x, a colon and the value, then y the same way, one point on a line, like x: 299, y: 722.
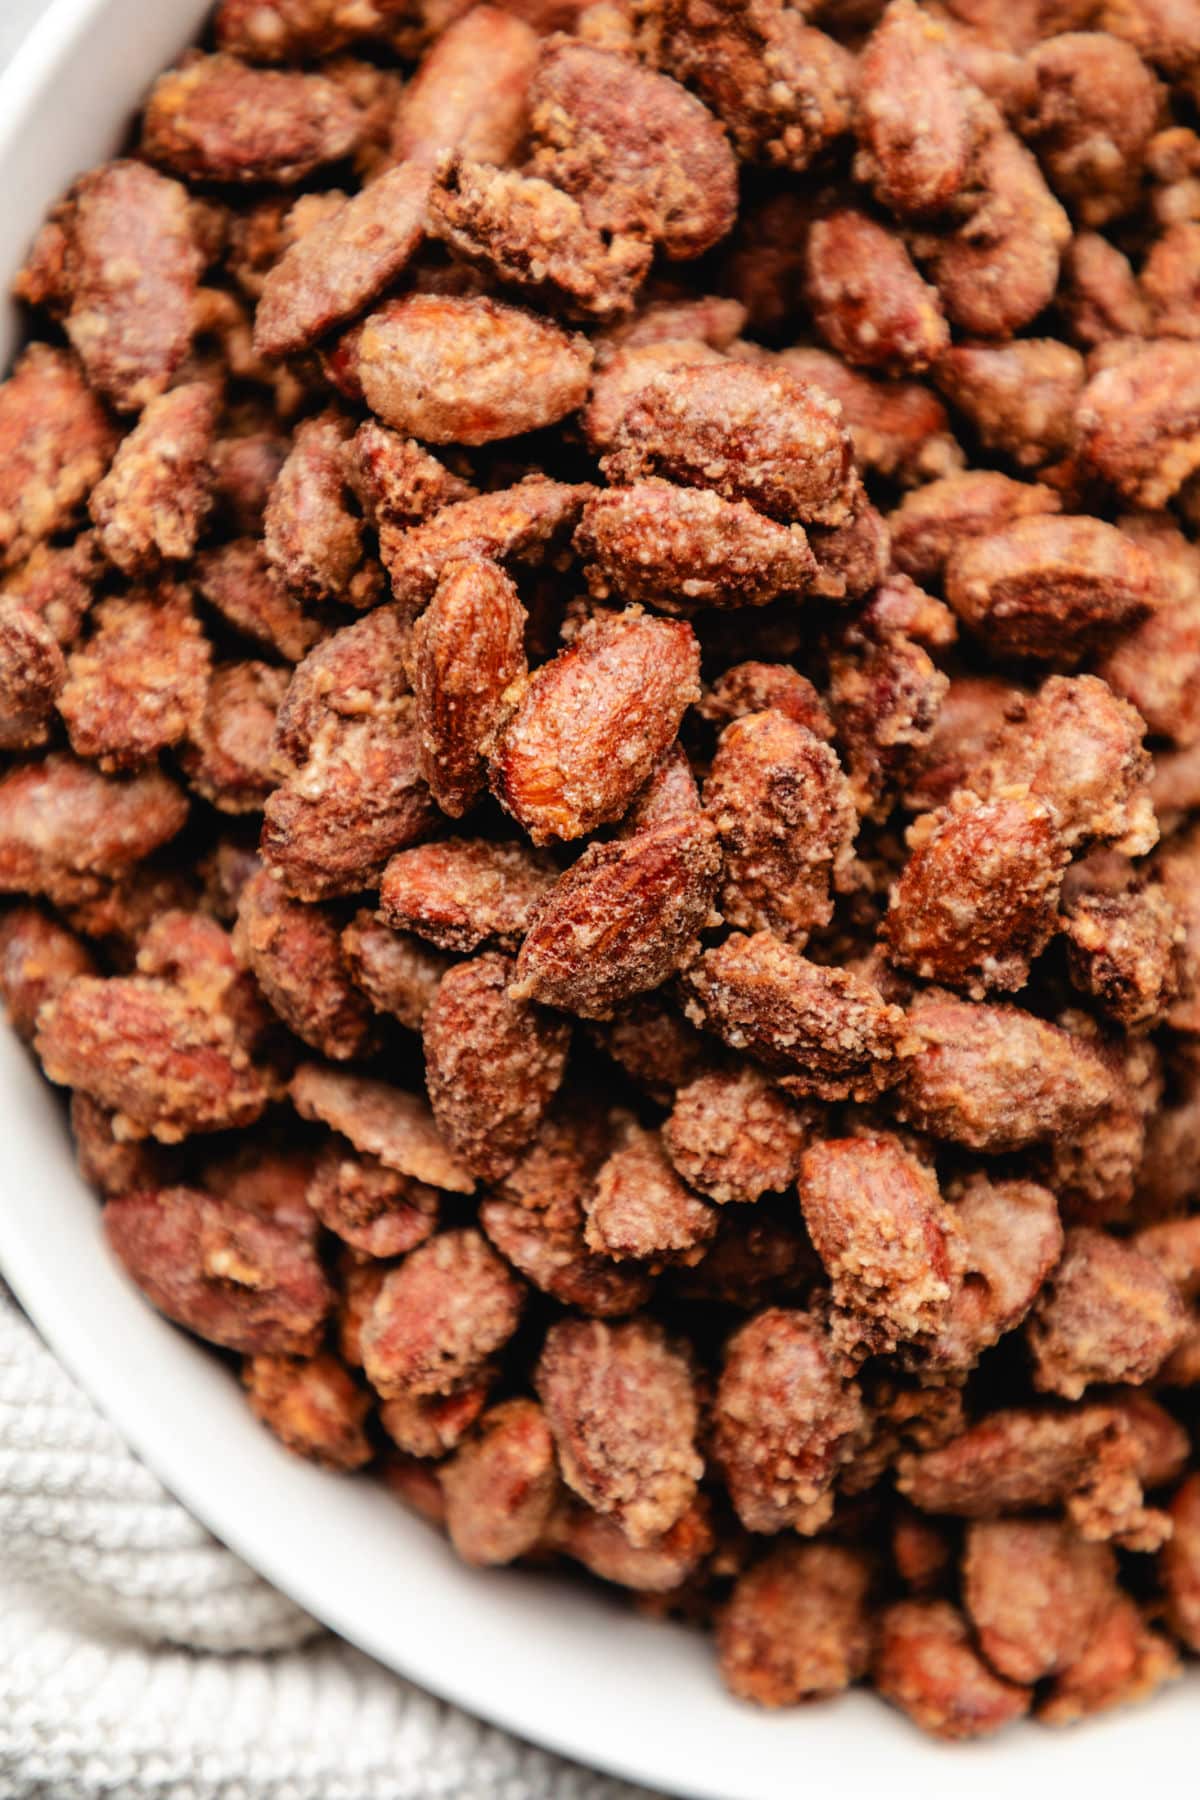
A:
x: 600, y: 678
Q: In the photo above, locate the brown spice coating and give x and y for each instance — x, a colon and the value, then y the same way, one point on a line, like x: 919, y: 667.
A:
x: 866, y: 298
x: 785, y: 1418
x: 460, y: 893
x: 38, y: 956
x: 914, y: 116
x: 787, y: 824
x: 65, y: 828
x: 1092, y: 112
x: 55, y: 444
x: 885, y: 698
x: 545, y: 1243
x: 492, y: 1063
x: 312, y: 1406
x: 239, y: 583
x: 1011, y: 1240
x: 431, y: 1426
x: 641, y: 1211
x: 295, y: 953
x: 470, y: 91
x: 622, y: 919
x: 1169, y: 279
x: 1050, y: 588
x: 1034, y: 1593
x: 358, y: 673
x: 55, y: 584
x: 735, y: 1137
x: 229, y: 758
x: 748, y: 431
x: 1078, y: 748
x: 680, y: 548
x: 1107, y: 1313
x: 1123, y: 952
x: 1179, y: 1564
x: 151, y: 506
x: 1124, y: 1661
x: 370, y: 1207
x: 926, y: 1665
x: 978, y: 896
x: 796, y: 1626
x: 439, y: 1316
x: 670, y: 796
x: 334, y: 271
x: 382, y: 1121
x: 214, y: 118
x: 819, y: 1031
x: 640, y: 153
x: 139, y: 683
x: 754, y: 687
x: 467, y: 648
x: 32, y: 672
x: 899, y: 429
x: 995, y: 1078
x: 932, y: 522
x: 1019, y: 397
x: 396, y: 482
x: 107, y: 1163
x: 621, y: 1404
x: 233, y: 1279
x: 1139, y: 421
x: 126, y: 267
x: 523, y: 524
x: 626, y: 369
x: 468, y: 371
x: 622, y: 686
x: 500, y: 1486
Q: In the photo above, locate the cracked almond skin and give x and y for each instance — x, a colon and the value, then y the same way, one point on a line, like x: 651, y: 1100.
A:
x: 787, y: 823
x: 734, y: 1137
x: 622, y: 920
x: 439, y: 1316
x: 468, y: 647
x: 295, y: 953
x: 55, y: 444
x: 66, y: 829
x: 926, y: 1664
x: 797, y: 1625
x: 640, y: 154
x: 621, y: 1403
x: 590, y: 725
x: 501, y: 1485
x: 784, y: 1420
x: 468, y: 371
x: 460, y: 893
x: 215, y: 118
x: 820, y: 1032
x: 978, y: 897
x: 334, y: 271
x: 1107, y: 1314
x: 747, y: 431
x: 680, y: 548
x: 236, y: 1280
x: 382, y: 1121
x: 493, y: 1063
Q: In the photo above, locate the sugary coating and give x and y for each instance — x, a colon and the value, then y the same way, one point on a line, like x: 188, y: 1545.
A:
x: 820, y: 1032
x: 32, y: 672
x: 1011, y: 1238
x: 926, y: 1664
x: 641, y: 154
x: 313, y: 1406
x: 382, y: 1121
x: 467, y: 649
x: 1156, y: 665
x: 214, y: 118
x: 735, y: 1137
x: 166, y: 1066
x: 109, y: 1164
x: 622, y: 919
x: 1139, y: 421
x: 1123, y: 952
x: 395, y: 480
x: 152, y: 504
x: 746, y: 430
x: 295, y: 953
x: 852, y: 557
x: 622, y: 370
x: 1099, y: 298
x: 333, y: 272
x: 785, y: 1419
x: 119, y: 260
x: 470, y: 91
x: 1107, y: 1313
x: 932, y: 521
x: 193, y: 953
x: 234, y: 1279
x: 493, y: 1063
x: 530, y: 235
x: 796, y: 1626
x: 1124, y: 1661
x: 754, y: 687
x: 973, y: 709
x: 264, y: 1178
x: 55, y: 584
x: 313, y: 540
x: 523, y: 524
x: 545, y: 1243
x: 1050, y: 588
x: 866, y: 298
x: 139, y: 683
x: 899, y: 429
x: 38, y: 956
x: 1034, y: 1593
x: 454, y: 370
x: 658, y: 1567
x: 621, y: 1404
x: 1078, y: 748
x: 670, y: 796
x: 501, y: 1485
x: 439, y: 1316
x: 55, y: 444
x: 787, y: 823
x: 885, y: 697
x: 228, y: 759
x: 431, y: 1426
x: 914, y: 117
x: 641, y: 1211
x: 1093, y: 109
x: 1179, y: 1564
x: 1169, y: 278
x: 460, y: 893
x: 590, y: 725
x: 358, y: 673
x: 240, y: 584
x: 1019, y: 397
x: 372, y: 1208
x: 888, y: 1242
x: 978, y: 897
x: 679, y: 548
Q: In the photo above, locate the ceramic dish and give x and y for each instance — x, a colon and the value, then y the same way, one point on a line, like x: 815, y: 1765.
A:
x: 547, y: 1659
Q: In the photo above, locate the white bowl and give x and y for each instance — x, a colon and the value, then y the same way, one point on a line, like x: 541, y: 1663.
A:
x: 554, y: 1662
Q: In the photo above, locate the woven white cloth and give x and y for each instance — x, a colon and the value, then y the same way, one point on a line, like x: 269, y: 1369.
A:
x: 140, y: 1660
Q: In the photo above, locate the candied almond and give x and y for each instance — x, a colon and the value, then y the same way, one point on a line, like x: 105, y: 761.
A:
x: 55, y: 444
x: 926, y: 1664
x: 641, y: 1211
x: 1107, y: 1313
x: 439, y: 1316
x: 501, y: 1485
x: 460, y: 893
x: 215, y: 118
x: 734, y: 1136
x: 312, y: 1405
x: 866, y: 298
x: 523, y: 524
x: 796, y: 1626
x: 470, y: 91
x: 382, y: 1121
x: 65, y: 828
